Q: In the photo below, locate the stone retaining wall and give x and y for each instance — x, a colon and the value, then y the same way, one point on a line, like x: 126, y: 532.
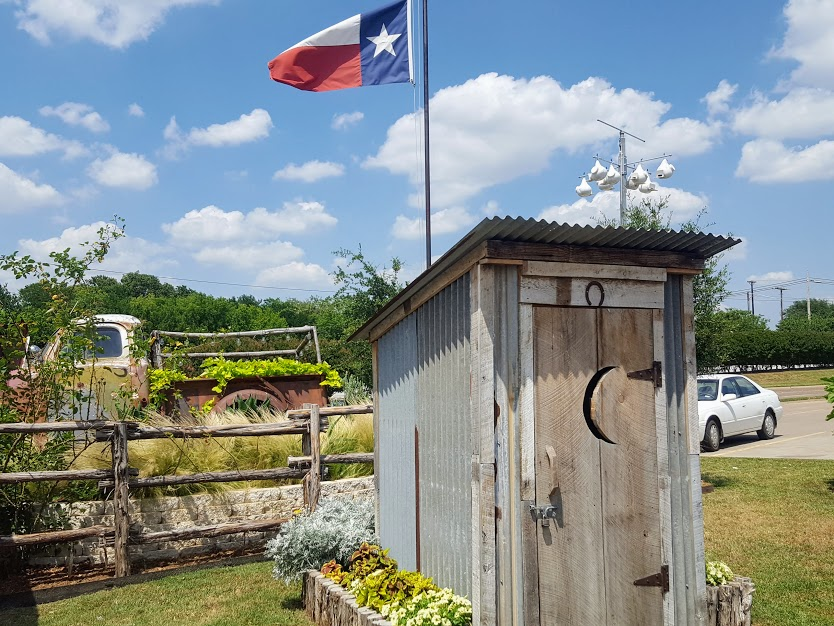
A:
x: 157, y: 514
x: 329, y: 604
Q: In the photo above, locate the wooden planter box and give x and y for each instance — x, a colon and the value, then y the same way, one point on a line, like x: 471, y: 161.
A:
x: 729, y: 605
x: 329, y: 604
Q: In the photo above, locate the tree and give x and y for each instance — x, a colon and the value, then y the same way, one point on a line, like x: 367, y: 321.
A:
x: 709, y: 287
x: 796, y: 316
x: 738, y: 321
x: 364, y: 288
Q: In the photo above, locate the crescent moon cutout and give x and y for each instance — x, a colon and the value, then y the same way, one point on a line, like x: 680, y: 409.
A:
x: 590, y: 420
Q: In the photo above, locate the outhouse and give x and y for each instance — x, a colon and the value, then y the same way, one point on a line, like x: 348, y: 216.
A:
x: 536, y: 424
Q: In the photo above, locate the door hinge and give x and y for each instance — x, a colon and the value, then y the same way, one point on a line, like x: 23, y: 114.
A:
x: 656, y: 580
x: 654, y: 374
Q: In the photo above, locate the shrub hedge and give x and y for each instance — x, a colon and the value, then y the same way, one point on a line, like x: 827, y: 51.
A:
x: 766, y: 349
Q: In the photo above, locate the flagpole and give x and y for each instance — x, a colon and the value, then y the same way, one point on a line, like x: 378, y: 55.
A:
x: 426, y: 128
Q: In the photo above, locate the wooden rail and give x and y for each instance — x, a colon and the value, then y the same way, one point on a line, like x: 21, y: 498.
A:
x: 121, y: 478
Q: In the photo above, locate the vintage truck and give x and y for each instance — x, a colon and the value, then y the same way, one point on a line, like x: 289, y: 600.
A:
x: 116, y: 375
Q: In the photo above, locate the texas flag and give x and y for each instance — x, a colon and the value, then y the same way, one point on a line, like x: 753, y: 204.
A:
x: 367, y: 49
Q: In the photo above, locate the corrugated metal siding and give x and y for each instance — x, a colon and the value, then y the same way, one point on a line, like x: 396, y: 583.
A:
x: 444, y: 426
x: 397, y: 415
x: 684, y: 558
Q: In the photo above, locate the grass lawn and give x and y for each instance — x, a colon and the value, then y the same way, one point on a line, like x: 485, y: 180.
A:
x: 770, y: 519
x: 791, y: 378
x: 245, y: 595
x: 773, y: 520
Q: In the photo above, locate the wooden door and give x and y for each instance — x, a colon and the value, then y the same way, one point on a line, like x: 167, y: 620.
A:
x: 595, y: 382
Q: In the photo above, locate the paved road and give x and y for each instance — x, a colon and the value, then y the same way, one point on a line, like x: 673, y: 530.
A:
x: 802, y: 433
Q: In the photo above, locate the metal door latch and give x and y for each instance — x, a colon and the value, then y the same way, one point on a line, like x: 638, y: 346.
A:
x: 544, y: 513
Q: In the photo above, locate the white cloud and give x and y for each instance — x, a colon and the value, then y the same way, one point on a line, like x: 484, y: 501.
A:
x: 212, y: 224
x: 809, y: 41
x: 250, y: 256
x: 310, y: 172
x: 346, y: 120
x: 804, y: 113
x: 135, y: 110
x: 494, y: 129
x: 718, y: 101
x: 443, y: 222
x: 77, y: 114
x: 606, y: 205
x: 132, y: 171
x: 19, y: 194
x: 295, y: 275
x: 491, y: 208
x: 247, y: 128
x: 769, y: 161
x: 738, y: 252
x: 114, y: 23
x: 772, y: 277
x: 127, y: 254
x: 19, y: 138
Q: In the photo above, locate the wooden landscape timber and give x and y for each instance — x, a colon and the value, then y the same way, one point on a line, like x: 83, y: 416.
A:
x: 121, y: 478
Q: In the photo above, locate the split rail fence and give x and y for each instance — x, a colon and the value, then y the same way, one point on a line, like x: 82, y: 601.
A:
x: 121, y: 478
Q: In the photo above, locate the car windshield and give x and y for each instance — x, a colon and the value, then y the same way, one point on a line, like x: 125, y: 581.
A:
x: 707, y: 389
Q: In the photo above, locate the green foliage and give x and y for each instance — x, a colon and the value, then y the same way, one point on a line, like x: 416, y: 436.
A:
x: 33, y: 391
x: 402, y: 596
x: 765, y: 349
x: 19, y: 510
x: 389, y: 587
x: 223, y: 370
x: 796, y: 315
x: 160, y: 382
x: 829, y: 390
x: 333, y: 532
x: 718, y: 573
x: 434, y: 606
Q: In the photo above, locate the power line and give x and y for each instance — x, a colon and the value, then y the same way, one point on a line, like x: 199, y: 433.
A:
x: 217, y: 282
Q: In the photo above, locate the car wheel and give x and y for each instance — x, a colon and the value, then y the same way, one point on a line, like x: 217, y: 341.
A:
x: 712, y: 436
x: 768, y: 429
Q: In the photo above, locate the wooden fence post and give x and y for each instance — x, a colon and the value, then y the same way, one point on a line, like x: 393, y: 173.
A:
x: 311, y: 446
x: 121, y: 496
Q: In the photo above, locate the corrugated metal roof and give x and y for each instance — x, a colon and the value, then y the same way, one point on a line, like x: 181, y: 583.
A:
x: 515, y: 229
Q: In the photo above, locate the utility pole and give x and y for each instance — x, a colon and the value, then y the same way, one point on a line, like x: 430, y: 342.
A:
x: 808, y: 294
x: 752, y: 301
x: 781, y: 302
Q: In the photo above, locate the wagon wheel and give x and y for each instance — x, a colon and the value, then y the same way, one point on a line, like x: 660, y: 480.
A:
x: 260, y: 397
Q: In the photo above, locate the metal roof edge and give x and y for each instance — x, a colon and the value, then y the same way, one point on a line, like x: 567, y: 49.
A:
x: 696, y: 244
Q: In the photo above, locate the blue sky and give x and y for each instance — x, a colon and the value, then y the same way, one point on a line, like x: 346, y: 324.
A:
x: 163, y: 112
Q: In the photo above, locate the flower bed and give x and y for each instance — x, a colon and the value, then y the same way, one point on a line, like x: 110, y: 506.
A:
x: 329, y: 604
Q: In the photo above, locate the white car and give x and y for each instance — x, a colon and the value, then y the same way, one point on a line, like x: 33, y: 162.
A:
x: 729, y: 404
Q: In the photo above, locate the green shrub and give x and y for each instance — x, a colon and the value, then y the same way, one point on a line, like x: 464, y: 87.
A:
x: 387, y: 587
x: 718, y: 573
x: 333, y: 532
x: 432, y: 607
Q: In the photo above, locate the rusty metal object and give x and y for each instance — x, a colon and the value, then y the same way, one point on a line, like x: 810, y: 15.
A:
x: 282, y: 392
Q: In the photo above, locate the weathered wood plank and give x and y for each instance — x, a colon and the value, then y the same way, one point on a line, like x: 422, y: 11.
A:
x: 214, y: 530
x: 331, y: 411
x: 229, y: 476
x: 586, y: 292
x: 55, y: 536
x: 527, y: 492
x: 588, y: 270
x: 52, y: 427
x: 586, y: 254
x: 30, y: 477
x: 331, y: 459
x: 571, y: 575
x: 295, y: 427
x: 663, y: 461
x: 121, y: 499
x: 313, y: 477
x: 630, y: 502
